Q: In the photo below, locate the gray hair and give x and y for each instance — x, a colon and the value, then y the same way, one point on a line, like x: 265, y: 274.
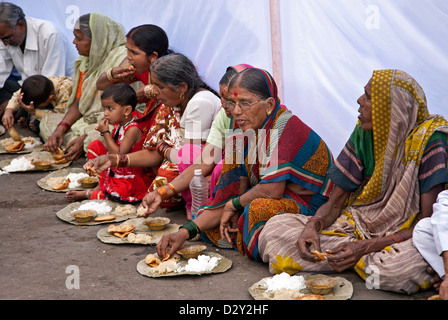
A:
x: 11, y: 14
x: 176, y: 68
x: 83, y: 25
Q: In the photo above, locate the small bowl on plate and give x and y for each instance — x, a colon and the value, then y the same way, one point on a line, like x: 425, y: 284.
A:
x: 321, y: 285
x: 191, y: 252
x: 41, y: 164
x: 88, y: 182
x: 157, y: 223
x: 83, y: 216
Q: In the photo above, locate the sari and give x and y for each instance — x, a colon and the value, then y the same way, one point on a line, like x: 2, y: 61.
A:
x: 284, y: 149
x: 160, y: 123
x: 385, y: 170
x: 108, y: 49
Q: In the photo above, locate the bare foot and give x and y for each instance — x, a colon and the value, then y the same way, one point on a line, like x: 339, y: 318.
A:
x: 73, y: 196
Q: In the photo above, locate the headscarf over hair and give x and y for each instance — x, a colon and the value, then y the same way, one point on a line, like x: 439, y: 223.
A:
x: 108, y: 49
x: 388, y: 200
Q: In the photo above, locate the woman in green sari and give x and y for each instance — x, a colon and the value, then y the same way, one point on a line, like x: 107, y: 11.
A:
x: 101, y: 43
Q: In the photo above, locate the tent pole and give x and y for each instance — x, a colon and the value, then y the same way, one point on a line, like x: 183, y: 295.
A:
x: 276, y: 45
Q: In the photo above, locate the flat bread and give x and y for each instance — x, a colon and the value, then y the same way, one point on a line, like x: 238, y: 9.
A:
x: 108, y: 217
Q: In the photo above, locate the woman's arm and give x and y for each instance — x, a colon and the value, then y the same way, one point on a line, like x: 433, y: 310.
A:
x: 57, y: 138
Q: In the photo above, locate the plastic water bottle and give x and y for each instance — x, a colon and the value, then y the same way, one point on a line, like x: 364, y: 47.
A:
x: 199, y: 192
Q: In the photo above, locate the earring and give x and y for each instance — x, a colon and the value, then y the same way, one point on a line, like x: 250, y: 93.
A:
x: 269, y: 113
x: 181, y: 97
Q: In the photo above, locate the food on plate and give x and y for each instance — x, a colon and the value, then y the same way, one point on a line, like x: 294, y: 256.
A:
x: 320, y: 255
x: 321, y: 285
x: 121, y: 230
x: 92, y: 172
x: 15, y: 147
x: 157, y: 223
x: 310, y: 297
x: 152, y: 260
x: 168, y: 264
x: 191, y: 251
x: 61, y: 185
x: 434, y: 297
x: 15, y: 135
x: 88, y: 182
x: 104, y: 218
x: 59, y: 157
x: 125, y: 210
x: 139, y: 238
x: 83, y: 215
x: 41, y: 164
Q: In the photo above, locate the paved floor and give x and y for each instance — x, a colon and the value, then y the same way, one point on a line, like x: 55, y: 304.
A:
x: 39, y: 253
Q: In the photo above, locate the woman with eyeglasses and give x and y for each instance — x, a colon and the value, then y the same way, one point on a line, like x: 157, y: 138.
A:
x: 274, y: 163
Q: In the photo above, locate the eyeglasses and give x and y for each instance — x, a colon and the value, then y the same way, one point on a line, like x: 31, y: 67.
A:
x: 244, y: 105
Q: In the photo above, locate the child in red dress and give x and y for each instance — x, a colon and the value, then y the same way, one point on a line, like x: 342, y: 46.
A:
x: 122, y: 184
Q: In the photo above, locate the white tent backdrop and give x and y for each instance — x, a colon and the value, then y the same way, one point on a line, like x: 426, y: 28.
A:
x: 327, y: 49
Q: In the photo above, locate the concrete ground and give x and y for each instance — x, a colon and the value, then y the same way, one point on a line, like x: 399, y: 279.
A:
x: 38, y: 250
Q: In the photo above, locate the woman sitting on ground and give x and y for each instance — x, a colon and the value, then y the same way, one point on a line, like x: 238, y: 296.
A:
x: 281, y: 168
x: 100, y: 42
x: 389, y: 172
x: 192, y: 106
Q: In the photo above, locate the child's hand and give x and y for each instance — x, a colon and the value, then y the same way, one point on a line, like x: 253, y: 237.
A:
x: 103, y: 125
x: 28, y: 108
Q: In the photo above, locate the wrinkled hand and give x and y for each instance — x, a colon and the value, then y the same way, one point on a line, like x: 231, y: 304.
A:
x: 150, y: 203
x: 99, y: 164
x: 174, y: 241
x: 75, y: 149
x: 346, y: 255
x: 308, y: 240
x: 8, y: 119
x: 229, y: 221
x: 102, y: 125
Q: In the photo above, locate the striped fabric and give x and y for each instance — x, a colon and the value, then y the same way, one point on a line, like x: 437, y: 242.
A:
x: 290, y: 151
x: 385, y: 170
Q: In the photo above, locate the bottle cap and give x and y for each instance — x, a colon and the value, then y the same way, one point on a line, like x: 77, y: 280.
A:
x: 198, y: 172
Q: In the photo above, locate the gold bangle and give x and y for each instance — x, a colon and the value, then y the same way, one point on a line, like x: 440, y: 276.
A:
x: 172, y: 188
x: 162, y: 192
x: 129, y: 160
x: 118, y: 160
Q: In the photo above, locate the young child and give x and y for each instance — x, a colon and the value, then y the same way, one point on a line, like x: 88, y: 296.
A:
x: 38, y: 95
x: 123, y: 184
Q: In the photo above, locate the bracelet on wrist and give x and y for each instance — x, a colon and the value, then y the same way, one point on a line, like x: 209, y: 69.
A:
x: 163, y: 193
x: 320, y: 220
x: 236, y: 202
x: 64, y: 124
x: 103, y: 132
x: 192, y: 229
